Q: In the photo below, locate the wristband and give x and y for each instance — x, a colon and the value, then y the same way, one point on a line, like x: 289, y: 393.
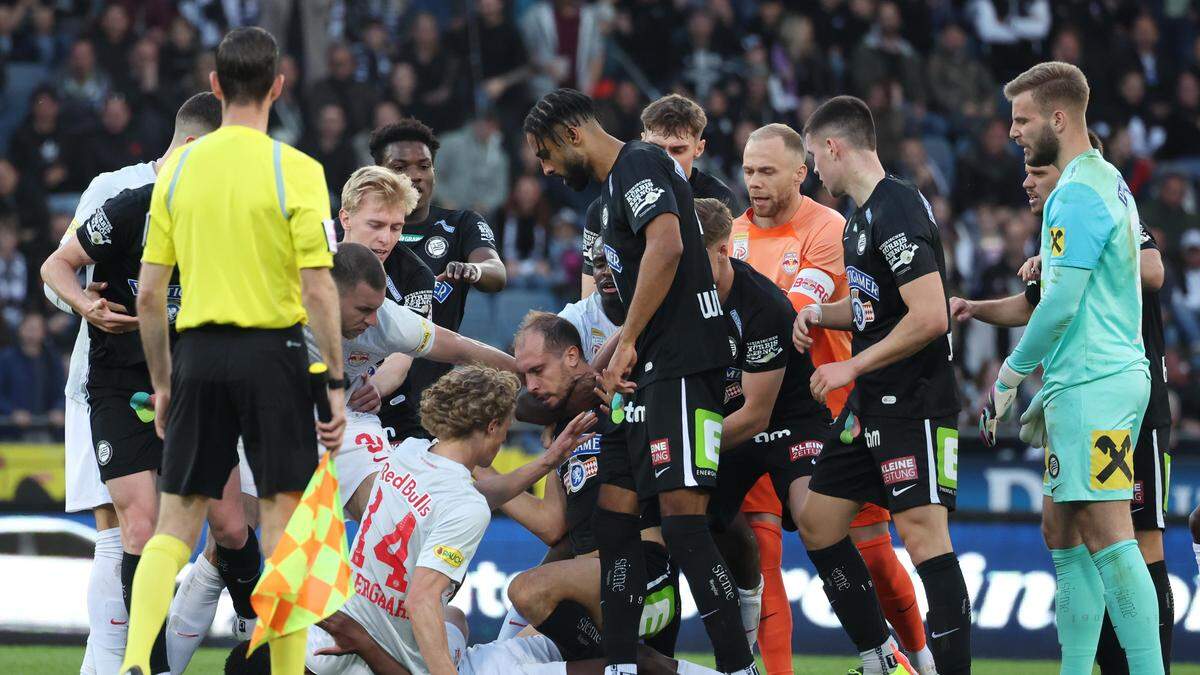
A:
x: 340, y: 383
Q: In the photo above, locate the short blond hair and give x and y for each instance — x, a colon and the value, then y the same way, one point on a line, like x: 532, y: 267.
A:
x: 792, y: 140
x: 1050, y: 83
x: 393, y: 189
x: 467, y: 399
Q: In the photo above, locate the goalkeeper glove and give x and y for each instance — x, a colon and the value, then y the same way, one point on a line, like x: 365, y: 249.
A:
x: 1000, y: 401
x: 1033, y: 423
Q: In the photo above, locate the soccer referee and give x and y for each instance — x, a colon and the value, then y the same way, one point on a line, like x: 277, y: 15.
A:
x: 245, y: 219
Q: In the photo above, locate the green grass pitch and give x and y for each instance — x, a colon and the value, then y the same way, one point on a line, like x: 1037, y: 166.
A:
x: 57, y: 660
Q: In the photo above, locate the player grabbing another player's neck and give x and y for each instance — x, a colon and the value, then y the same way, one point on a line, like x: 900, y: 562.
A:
x: 841, y: 137
x: 1049, y: 102
x: 469, y: 411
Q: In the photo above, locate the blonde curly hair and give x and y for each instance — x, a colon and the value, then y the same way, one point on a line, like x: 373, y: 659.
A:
x: 466, y: 399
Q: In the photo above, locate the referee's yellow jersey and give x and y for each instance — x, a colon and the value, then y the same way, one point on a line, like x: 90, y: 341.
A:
x: 240, y: 214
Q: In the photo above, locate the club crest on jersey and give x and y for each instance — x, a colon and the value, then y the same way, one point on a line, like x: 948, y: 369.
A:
x: 741, y: 245
x: 643, y: 195
x: 174, y: 298
x: 442, y: 290
x: 436, y: 247
x: 861, y: 311
x: 98, y: 228
x: 613, y: 258
x: 604, y: 216
x: 791, y: 263
x: 579, y: 471
x: 862, y: 242
x: 103, y: 452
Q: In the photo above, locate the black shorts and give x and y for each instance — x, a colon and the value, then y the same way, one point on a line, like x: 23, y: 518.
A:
x: 672, y: 434
x: 230, y: 382
x: 895, y: 463
x: 124, y: 445
x: 786, y: 452
x: 1151, y: 476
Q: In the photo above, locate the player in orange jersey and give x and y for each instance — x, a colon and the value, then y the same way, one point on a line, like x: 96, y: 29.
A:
x: 798, y: 243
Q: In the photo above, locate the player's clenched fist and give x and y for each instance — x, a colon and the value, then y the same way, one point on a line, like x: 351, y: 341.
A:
x: 961, y: 309
x: 807, y: 318
x: 831, y: 376
x: 461, y: 271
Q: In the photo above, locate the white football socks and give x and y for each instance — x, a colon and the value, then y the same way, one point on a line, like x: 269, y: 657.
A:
x: 750, y: 604
x: 192, y: 612
x: 513, y: 623
x: 107, y: 617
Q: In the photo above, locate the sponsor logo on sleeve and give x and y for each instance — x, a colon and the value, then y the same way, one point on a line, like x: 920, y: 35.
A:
x: 898, y: 251
x: 449, y: 555
x: 98, y: 229
x: 426, y: 336
x: 862, y: 243
x: 1058, y: 242
x: 642, y: 196
x: 485, y: 232
x: 442, y: 290
x: 899, y: 470
x: 660, y: 452
x: 762, y: 351
x: 589, y: 238
x: 741, y: 245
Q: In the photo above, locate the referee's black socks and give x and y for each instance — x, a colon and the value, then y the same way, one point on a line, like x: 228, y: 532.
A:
x: 240, y: 569
x: 158, y: 653
x: 851, y: 593
x: 622, y: 583
x: 691, y: 546
x: 949, y: 616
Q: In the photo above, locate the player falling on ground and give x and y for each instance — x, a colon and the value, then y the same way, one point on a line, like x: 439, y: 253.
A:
x: 561, y: 598
x: 1097, y: 383
x: 796, y: 242
x: 127, y: 451
x: 674, y: 347
x: 1151, y: 454
x: 895, y: 443
x: 457, y: 245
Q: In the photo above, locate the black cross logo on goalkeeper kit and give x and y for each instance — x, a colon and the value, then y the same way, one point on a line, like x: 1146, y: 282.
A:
x: 1056, y: 241
x: 1117, y: 458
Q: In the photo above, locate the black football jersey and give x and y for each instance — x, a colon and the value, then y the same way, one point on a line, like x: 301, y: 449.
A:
x: 760, y: 338
x: 580, y: 482
x: 410, y: 283
x: 1158, y: 411
x: 889, y: 240
x: 114, y: 236
x: 447, y: 236
x: 687, y: 334
x: 703, y: 185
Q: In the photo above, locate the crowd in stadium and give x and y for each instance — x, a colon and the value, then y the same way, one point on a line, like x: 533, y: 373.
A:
x: 97, y: 84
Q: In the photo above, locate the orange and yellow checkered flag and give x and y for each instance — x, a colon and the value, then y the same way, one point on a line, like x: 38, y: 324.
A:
x: 307, y: 578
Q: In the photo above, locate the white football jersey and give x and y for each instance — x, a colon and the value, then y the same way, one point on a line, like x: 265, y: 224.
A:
x: 423, y: 512
x: 102, y: 188
x: 399, y: 330
x: 593, y: 325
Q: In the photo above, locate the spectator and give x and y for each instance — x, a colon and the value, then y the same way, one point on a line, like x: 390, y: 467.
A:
x: 1186, y: 300
x: 8, y: 30
x: 991, y: 173
x: 566, y: 45
x: 115, y: 144
x: 524, y: 223
x: 114, y: 40
x: 386, y: 113
x: 638, y: 28
x: 1010, y: 32
x: 1183, y: 122
x: 564, y: 254
x: 472, y: 167
x: 44, y: 150
x: 916, y: 166
x: 1068, y: 47
x: 180, y: 50
x: 885, y: 56
x: 798, y: 60
x: 1132, y: 110
x: 329, y: 144
x: 960, y: 87
x: 313, y: 17
x: 375, y: 55
x: 22, y: 199
x: 41, y: 43
x: 504, y: 70
x: 355, y: 98
x: 702, y: 66
x: 153, y: 99
x: 621, y: 114
x: 1147, y: 55
x: 31, y: 376
x: 14, y: 275
x: 82, y: 84
x: 1169, y: 210
x: 287, y: 120
x: 436, y: 72
x: 402, y: 90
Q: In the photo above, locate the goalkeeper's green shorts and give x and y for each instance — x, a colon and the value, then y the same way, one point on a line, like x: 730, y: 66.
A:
x: 1091, y: 430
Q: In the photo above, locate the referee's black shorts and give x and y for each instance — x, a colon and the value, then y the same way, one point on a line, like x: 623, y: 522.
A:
x: 229, y: 381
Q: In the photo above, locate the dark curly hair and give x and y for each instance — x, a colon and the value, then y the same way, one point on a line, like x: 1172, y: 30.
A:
x: 559, y: 108
x: 407, y: 129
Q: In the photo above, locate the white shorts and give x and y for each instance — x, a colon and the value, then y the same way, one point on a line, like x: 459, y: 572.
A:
x: 85, y: 490
x: 363, y: 449
x: 534, y: 655
x: 244, y: 472
x: 352, y: 664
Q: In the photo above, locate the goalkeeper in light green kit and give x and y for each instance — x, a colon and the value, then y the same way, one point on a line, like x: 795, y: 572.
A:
x: 1086, y: 333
